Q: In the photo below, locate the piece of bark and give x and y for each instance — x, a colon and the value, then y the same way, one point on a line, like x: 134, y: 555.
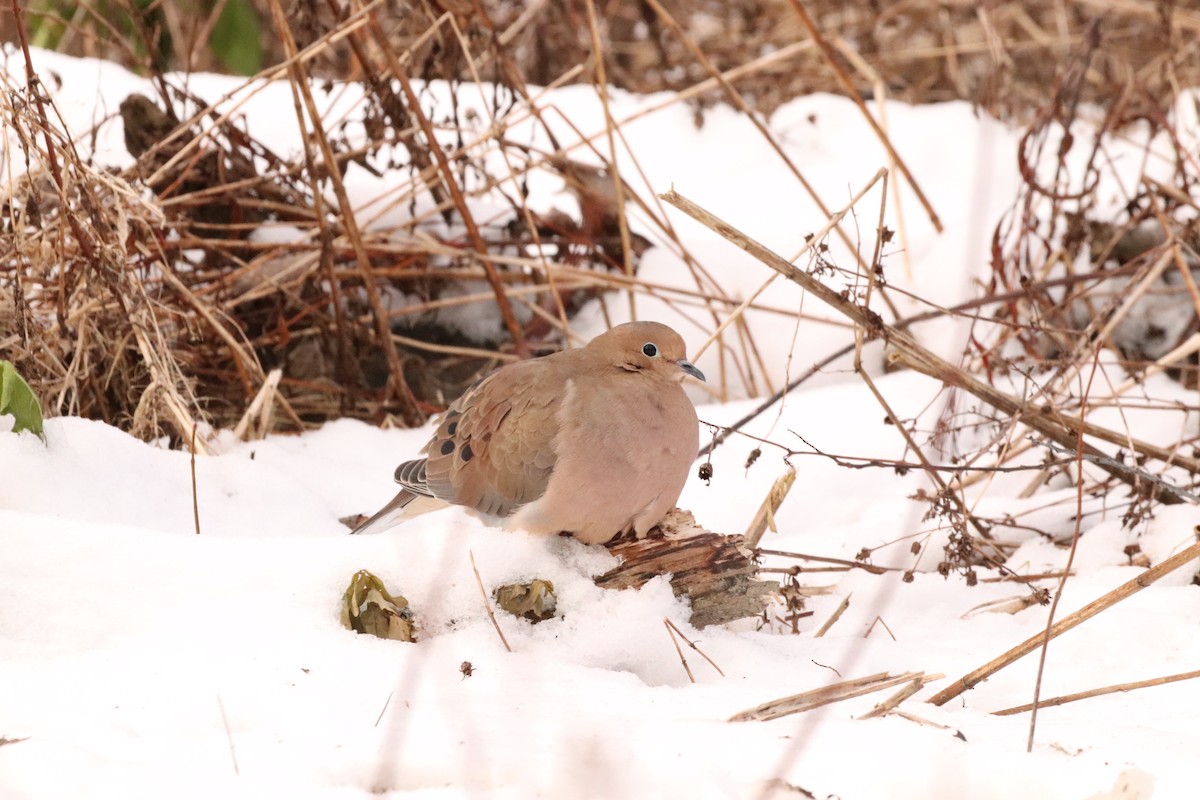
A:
x: 715, y: 572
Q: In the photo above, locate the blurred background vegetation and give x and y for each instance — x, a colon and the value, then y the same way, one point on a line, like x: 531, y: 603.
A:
x: 237, y: 316
x: 210, y: 35
x: 1003, y: 57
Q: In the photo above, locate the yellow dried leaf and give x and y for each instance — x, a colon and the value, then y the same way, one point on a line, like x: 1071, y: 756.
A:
x: 368, y: 607
x: 534, y: 601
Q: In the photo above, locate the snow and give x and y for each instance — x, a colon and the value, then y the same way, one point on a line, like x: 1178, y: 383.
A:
x: 139, y: 659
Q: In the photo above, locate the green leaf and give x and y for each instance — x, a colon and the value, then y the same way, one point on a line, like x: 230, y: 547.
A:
x: 235, y: 38
x: 18, y: 399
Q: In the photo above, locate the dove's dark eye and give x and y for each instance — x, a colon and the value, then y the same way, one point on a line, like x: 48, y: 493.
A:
x: 649, y: 349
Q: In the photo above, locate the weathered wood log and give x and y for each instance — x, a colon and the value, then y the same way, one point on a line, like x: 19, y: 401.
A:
x: 715, y: 572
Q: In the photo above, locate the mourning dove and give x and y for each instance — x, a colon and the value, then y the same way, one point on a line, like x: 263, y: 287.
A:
x: 594, y: 442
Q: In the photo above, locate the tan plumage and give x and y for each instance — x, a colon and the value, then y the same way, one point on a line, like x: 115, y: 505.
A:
x: 595, y: 441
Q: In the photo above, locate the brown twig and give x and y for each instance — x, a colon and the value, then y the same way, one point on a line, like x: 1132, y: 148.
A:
x: 260, y: 409
x: 487, y: 602
x: 899, y: 712
x: 944, y: 489
x: 601, y: 84
x: 1041, y: 576
x: 228, y: 736
x: 906, y: 351
x: 1100, y: 692
x: 885, y: 627
x: 1062, y: 581
x: 1102, y: 603
x: 300, y: 83
x: 671, y: 632
x: 848, y: 86
x: 893, y: 702
x: 904, y: 324
x: 383, y: 709
x: 735, y: 97
x: 765, y: 516
x: 447, y: 176
x: 872, y: 568
x: 806, y: 701
x: 195, y: 497
x: 834, y: 617
x: 692, y: 645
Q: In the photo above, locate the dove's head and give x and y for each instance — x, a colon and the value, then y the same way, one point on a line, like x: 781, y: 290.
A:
x: 647, y: 347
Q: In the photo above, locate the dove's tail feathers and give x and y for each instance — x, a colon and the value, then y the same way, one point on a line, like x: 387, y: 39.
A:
x: 401, y: 508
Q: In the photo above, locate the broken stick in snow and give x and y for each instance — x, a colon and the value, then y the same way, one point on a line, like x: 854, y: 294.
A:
x: 716, y: 573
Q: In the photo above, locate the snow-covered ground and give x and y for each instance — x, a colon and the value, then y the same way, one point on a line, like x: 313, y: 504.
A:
x: 138, y: 659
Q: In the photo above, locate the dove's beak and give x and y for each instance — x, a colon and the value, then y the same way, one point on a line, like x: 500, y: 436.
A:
x: 690, y: 369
